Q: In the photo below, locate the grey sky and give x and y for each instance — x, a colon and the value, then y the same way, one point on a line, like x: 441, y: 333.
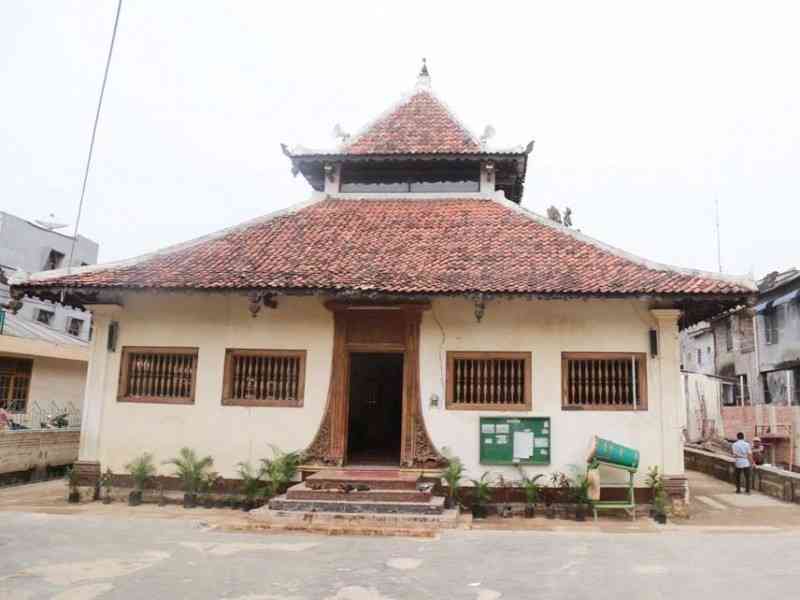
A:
x: 642, y: 112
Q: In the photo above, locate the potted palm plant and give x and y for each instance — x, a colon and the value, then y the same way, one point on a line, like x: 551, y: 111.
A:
x: 279, y: 470
x: 190, y: 469
x: 73, y: 480
x: 141, y: 469
x: 656, y: 484
x: 481, y: 495
x: 252, y: 485
x: 107, y: 482
x: 452, y: 475
x: 531, y: 489
x: 660, y: 507
x: 581, y: 496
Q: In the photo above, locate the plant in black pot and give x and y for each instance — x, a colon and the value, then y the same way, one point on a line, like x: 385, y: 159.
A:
x: 252, y: 485
x: 660, y: 507
x: 279, y: 470
x: 656, y: 484
x: 141, y: 469
x: 580, y: 495
x: 73, y: 480
x: 531, y: 488
x: 481, y: 492
x: 191, y: 470
x: 452, y: 475
x: 107, y: 482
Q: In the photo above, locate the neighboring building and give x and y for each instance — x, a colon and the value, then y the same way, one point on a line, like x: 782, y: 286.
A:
x: 697, y: 349
x: 757, y: 365
x: 44, y: 344
x: 411, y: 297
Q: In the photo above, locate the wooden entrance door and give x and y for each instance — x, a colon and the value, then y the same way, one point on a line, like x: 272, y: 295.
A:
x: 376, y: 329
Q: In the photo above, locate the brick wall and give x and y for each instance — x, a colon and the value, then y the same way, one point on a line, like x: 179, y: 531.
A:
x: 36, y: 449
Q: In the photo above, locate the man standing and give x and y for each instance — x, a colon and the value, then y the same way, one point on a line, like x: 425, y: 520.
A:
x: 743, y: 454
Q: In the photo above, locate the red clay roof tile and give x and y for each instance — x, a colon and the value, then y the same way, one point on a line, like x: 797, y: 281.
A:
x: 402, y: 246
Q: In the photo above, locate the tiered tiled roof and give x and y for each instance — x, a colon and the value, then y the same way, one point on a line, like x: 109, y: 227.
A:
x: 401, y: 246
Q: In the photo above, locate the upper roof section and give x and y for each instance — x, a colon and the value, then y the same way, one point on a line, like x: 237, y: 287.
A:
x: 419, y: 128
x: 419, y: 124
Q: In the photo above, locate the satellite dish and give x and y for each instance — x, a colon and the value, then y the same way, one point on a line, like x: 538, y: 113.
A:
x: 488, y: 133
x: 50, y: 223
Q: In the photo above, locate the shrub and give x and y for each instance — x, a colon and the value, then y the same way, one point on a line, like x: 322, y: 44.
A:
x: 279, y: 470
x: 453, y: 474
x: 252, y: 484
x: 482, y: 491
x: 141, y: 470
x: 190, y: 469
x: 529, y: 486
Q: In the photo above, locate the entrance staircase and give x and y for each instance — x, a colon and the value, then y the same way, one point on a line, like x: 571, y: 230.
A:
x: 360, y: 501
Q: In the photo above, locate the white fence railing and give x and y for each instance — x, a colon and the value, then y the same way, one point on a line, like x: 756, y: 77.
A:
x: 51, y: 415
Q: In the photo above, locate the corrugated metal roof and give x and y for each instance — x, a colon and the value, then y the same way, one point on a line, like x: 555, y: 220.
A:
x: 18, y: 327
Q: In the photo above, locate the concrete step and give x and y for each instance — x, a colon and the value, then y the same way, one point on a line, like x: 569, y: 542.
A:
x: 434, y: 506
x: 334, y: 523
x: 376, y: 479
x: 301, y: 491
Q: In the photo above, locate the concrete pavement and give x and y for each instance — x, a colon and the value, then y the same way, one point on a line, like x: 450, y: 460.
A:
x: 733, y: 547
x: 70, y: 557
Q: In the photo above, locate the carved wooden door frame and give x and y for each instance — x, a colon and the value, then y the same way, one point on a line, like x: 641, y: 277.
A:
x: 329, y: 446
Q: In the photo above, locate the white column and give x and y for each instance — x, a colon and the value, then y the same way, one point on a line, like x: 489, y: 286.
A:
x: 94, y: 396
x: 669, y: 390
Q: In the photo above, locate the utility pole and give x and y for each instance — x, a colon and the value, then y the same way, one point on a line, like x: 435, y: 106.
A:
x: 719, y: 243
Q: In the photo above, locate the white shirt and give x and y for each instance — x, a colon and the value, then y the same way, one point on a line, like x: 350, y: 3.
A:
x: 741, y: 450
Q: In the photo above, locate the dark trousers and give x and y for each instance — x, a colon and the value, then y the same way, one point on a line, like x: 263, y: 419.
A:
x: 746, y: 472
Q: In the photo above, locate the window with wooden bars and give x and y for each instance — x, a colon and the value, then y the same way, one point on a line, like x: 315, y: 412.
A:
x: 604, y: 381
x: 264, y: 377
x: 15, y: 383
x: 158, y: 375
x: 488, y: 381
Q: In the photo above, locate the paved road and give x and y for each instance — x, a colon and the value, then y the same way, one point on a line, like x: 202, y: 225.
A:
x: 72, y: 557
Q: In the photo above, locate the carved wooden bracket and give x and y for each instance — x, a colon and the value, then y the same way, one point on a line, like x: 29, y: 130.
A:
x: 259, y: 298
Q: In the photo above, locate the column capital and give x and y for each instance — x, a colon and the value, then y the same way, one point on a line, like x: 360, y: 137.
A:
x: 666, y: 315
x: 105, y: 310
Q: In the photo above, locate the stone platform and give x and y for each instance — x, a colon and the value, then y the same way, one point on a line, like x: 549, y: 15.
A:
x: 359, y: 500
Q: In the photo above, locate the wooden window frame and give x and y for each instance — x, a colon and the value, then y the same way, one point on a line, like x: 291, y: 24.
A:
x: 11, y: 386
x: 641, y: 380
x: 227, y: 380
x: 122, y: 395
x: 527, y: 392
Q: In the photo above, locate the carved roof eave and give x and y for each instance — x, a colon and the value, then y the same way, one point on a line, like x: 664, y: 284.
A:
x: 696, y: 307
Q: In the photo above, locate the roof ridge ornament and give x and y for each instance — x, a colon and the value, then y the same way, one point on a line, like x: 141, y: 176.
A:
x: 424, y: 77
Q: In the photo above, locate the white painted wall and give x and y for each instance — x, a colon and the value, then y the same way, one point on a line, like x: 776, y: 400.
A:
x: 212, y: 323
x: 546, y: 329
x: 232, y: 434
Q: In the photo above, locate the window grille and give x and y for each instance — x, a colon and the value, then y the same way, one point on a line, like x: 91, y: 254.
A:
x: 158, y: 375
x: 264, y: 378
x: 488, y: 380
x: 604, y: 381
x: 45, y: 316
x: 771, y: 326
x: 75, y: 326
x: 15, y: 383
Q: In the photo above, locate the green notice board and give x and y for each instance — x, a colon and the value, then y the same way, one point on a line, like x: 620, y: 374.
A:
x: 515, y: 440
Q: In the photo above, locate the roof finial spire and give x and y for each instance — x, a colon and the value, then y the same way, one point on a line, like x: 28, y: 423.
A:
x: 424, y: 77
